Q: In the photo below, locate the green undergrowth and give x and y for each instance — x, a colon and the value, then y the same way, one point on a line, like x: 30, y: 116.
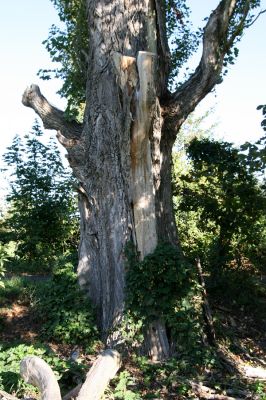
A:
x: 163, y: 286
x: 16, y: 288
x: 59, y: 315
x: 68, y: 373
x: 67, y: 314
x: 175, y: 379
x: 67, y: 319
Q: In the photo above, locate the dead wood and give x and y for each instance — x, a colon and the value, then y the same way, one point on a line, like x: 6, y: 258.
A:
x: 206, y: 307
x: 98, y: 377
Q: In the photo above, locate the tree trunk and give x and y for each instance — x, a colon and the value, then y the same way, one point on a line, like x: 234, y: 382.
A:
x: 121, y: 155
x: 122, y: 145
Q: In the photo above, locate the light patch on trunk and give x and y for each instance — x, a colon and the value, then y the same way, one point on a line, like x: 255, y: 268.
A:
x: 126, y: 71
x: 142, y: 189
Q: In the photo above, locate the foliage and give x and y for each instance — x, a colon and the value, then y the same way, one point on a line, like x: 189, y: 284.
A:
x: 256, y: 152
x: 68, y: 373
x: 226, y: 199
x: 122, y: 390
x: 183, y: 42
x: 259, y: 389
x: 16, y: 288
x: 66, y: 313
x: 42, y: 216
x: 68, y: 47
x: 239, y: 290
x: 163, y: 285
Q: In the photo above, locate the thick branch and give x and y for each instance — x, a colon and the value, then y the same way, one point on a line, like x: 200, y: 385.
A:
x: 52, y: 118
x: 38, y: 373
x: 208, y: 72
x: 98, y: 377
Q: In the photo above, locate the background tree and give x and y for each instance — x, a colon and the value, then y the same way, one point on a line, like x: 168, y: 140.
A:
x: 229, y: 200
x: 122, y: 153
x: 42, y: 215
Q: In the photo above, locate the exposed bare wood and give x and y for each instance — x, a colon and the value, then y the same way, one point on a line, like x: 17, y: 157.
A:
x: 52, y: 117
x: 6, y: 396
x: 37, y: 372
x: 142, y: 178
x: 157, y: 341
x: 254, y: 372
x: 102, y: 371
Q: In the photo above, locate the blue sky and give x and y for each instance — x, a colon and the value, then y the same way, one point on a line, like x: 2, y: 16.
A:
x: 25, y: 24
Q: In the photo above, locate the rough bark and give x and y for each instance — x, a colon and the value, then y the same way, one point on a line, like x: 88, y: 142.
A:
x: 121, y: 155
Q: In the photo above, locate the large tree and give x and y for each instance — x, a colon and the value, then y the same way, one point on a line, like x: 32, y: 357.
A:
x: 121, y: 153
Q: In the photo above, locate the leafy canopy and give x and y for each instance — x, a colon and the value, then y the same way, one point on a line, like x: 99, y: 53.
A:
x: 224, y: 196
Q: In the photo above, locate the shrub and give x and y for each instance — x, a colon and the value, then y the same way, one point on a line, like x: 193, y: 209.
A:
x: 67, y: 314
x: 164, y: 285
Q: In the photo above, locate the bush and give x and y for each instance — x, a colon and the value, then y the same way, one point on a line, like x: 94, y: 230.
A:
x: 66, y: 313
x: 164, y: 285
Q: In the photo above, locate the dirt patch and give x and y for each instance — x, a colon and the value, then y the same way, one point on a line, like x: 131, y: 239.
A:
x: 18, y: 323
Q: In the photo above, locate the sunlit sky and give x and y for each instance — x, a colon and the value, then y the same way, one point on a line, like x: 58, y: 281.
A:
x: 24, y: 24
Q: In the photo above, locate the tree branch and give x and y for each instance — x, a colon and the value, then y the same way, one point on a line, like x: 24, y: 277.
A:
x: 239, y: 28
x: 38, y: 373
x: 52, y: 117
x: 216, y: 42
x: 255, y: 19
x: 104, y: 368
